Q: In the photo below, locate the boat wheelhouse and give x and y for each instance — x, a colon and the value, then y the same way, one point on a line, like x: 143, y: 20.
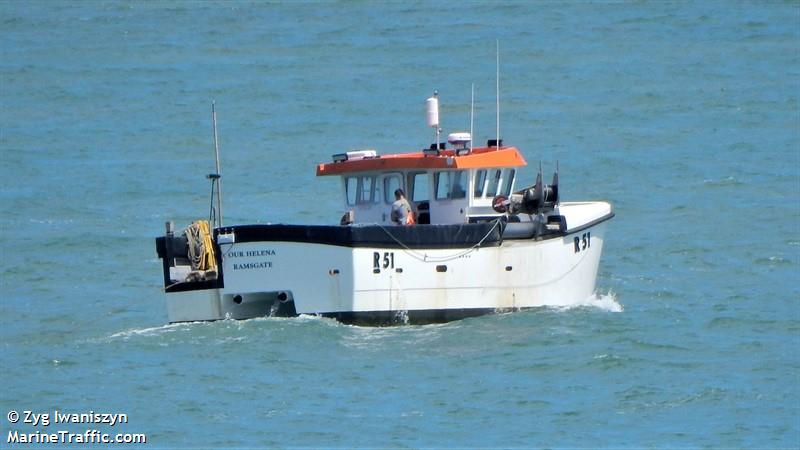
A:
x: 447, y: 186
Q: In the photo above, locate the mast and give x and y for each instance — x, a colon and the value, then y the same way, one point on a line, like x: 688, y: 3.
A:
x: 471, y: 118
x: 216, y: 178
x: 497, y: 87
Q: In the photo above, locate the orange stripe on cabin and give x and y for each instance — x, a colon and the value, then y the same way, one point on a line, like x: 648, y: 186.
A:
x: 480, y: 158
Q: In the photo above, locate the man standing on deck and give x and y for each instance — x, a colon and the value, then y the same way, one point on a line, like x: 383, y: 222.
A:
x: 402, y: 213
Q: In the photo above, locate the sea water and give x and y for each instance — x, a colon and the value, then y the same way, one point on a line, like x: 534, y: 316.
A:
x: 684, y: 115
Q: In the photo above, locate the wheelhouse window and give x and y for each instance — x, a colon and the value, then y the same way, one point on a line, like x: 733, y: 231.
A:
x: 450, y: 184
x: 494, y: 181
x: 359, y: 190
x: 391, y: 183
x: 366, y: 188
x: 376, y: 191
x: 418, y: 187
x: 351, y: 189
x: 508, y: 181
x: 480, y: 180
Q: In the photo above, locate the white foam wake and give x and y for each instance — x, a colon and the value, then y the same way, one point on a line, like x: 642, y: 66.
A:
x: 607, y: 302
x: 147, y: 331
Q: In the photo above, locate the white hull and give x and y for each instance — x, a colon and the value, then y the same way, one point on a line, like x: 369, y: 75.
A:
x: 425, y: 285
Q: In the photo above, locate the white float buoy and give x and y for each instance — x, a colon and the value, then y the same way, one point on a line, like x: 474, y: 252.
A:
x: 433, y: 111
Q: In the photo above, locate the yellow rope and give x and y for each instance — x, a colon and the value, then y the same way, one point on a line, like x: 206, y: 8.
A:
x: 199, y: 232
x: 210, y: 262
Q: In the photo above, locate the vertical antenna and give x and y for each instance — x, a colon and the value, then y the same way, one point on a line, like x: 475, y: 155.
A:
x: 471, y: 118
x: 497, y: 69
x: 217, y: 179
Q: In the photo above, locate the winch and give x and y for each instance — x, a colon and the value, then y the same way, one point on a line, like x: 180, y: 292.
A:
x: 537, y: 199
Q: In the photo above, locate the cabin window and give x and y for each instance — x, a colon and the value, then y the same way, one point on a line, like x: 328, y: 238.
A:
x: 508, y: 183
x: 442, y: 182
x: 418, y: 187
x: 351, y: 189
x: 450, y: 184
x: 480, y: 180
x: 366, y: 189
x: 376, y: 195
x: 494, y: 181
x: 391, y: 183
x: 359, y: 190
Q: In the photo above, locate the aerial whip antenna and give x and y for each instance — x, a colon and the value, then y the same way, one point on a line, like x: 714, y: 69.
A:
x: 497, y: 87
x: 216, y: 178
x: 471, y: 118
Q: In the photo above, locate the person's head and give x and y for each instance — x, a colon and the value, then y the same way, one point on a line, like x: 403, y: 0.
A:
x: 398, y: 194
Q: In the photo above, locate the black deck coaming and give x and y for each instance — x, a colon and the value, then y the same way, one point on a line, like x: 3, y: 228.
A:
x: 489, y: 233
x: 482, y: 234
x: 375, y: 236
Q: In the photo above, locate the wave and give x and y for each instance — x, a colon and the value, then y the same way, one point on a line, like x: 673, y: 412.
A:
x: 729, y: 181
x: 607, y: 302
x: 151, y: 331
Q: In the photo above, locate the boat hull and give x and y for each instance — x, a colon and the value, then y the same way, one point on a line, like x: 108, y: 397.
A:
x: 396, y: 284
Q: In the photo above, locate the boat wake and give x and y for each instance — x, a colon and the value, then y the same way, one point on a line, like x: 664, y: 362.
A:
x: 151, y: 331
x: 607, y: 302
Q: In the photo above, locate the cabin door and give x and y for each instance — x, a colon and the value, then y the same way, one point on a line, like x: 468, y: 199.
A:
x: 387, y: 184
x: 450, y: 200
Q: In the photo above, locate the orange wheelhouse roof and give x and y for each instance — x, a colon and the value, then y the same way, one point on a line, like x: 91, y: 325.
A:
x: 480, y: 158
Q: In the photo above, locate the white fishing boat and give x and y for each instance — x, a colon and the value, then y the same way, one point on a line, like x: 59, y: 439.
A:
x: 479, y: 244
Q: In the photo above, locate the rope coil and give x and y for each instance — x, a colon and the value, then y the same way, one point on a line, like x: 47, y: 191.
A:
x: 201, y: 247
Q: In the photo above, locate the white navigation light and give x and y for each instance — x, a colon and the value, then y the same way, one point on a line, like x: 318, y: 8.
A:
x: 433, y: 111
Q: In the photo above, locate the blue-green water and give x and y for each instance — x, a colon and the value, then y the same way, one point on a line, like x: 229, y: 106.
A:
x: 685, y: 115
